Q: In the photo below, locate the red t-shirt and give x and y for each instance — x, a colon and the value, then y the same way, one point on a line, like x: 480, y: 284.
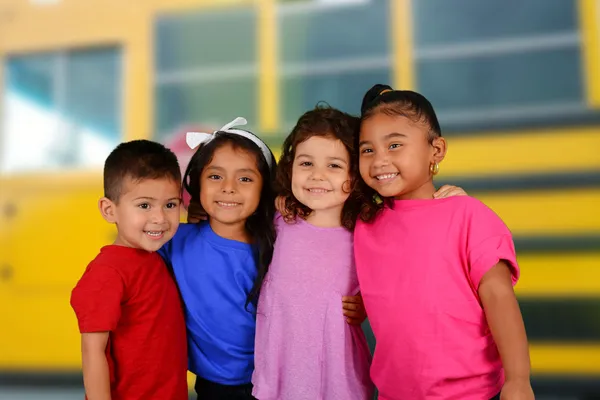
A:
x: 131, y: 294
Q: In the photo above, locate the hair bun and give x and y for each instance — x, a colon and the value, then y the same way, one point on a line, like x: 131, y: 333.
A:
x: 372, y: 94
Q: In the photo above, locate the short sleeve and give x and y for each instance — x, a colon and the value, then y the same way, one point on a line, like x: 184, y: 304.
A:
x: 489, y: 242
x: 97, y: 299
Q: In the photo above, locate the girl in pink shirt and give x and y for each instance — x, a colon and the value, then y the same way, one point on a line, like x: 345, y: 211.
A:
x: 436, y: 275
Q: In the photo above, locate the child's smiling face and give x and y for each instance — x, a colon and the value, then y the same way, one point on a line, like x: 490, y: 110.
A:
x: 231, y: 185
x: 147, y: 213
x: 321, y: 174
x: 396, y: 155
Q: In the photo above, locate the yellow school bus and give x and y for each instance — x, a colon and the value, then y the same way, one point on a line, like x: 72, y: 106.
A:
x: 516, y: 85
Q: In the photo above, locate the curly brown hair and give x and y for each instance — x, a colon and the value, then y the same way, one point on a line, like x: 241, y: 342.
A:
x: 323, y: 121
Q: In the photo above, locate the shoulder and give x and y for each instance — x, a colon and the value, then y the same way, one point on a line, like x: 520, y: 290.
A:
x: 185, y: 233
x: 472, y: 210
x: 99, y: 275
x: 479, y: 220
x: 186, y: 230
x: 109, y: 262
x: 478, y: 211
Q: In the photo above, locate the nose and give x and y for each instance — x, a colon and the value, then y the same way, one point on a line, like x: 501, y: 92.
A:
x: 380, y: 160
x: 317, y: 174
x: 229, y: 186
x: 158, y: 215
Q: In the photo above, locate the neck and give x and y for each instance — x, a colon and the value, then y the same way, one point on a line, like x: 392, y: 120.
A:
x: 235, y: 231
x: 329, y: 218
x: 423, y: 192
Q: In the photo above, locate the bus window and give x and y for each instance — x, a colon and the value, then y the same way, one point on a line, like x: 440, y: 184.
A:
x: 205, y: 69
x: 490, y: 65
x: 331, y: 51
x: 62, y: 110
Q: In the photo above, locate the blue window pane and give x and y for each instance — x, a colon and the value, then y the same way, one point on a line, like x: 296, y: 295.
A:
x: 349, y: 31
x: 205, y: 39
x: 207, y: 104
x: 439, y: 22
x: 94, y: 93
x: 32, y: 78
x: 67, y: 103
x: 341, y: 90
x: 541, y: 77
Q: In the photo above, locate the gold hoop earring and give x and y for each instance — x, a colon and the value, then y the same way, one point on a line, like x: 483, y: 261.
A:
x: 434, y: 168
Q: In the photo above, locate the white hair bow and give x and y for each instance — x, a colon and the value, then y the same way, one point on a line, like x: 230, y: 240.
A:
x: 194, y: 139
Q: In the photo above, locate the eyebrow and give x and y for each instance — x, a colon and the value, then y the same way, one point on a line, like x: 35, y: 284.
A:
x: 338, y: 159
x: 153, y: 198
x: 242, y: 170
x: 329, y: 158
x: 386, y: 137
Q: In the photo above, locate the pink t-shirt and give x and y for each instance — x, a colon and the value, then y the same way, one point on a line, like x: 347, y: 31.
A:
x: 419, y: 267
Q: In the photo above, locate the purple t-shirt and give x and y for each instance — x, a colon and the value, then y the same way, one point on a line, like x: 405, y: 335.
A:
x: 305, y: 349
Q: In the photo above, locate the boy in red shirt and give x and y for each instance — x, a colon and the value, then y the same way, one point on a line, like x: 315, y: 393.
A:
x: 128, y: 308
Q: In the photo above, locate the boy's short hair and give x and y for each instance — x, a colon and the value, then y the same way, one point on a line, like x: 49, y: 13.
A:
x: 138, y: 160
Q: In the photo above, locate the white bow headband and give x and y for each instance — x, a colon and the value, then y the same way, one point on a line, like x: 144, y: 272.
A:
x: 194, y: 139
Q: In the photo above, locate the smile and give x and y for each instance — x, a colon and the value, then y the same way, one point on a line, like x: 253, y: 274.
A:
x: 318, y: 190
x: 227, y: 204
x: 155, y: 234
x: 386, y: 177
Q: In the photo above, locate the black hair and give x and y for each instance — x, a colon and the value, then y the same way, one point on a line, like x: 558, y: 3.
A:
x: 405, y: 103
x: 260, y: 225
x: 138, y: 160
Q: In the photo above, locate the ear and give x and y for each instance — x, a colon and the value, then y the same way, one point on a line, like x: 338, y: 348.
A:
x: 439, y: 149
x: 347, y: 186
x: 107, y: 209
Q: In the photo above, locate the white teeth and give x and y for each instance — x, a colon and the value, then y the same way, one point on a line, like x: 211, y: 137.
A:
x: 318, y: 190
x: 224, y: 204
x: 386, y: 176
x: 155, y: 234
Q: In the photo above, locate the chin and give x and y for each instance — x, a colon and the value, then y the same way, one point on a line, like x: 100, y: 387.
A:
x: 387, y: 192
x: 152, y: 246
x: 316, y: 205
x: 228, y: 220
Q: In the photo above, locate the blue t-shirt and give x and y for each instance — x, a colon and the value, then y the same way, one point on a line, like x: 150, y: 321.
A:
x: 215, y: 275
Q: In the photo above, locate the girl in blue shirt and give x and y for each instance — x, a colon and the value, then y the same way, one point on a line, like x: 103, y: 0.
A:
x: 219, y: 264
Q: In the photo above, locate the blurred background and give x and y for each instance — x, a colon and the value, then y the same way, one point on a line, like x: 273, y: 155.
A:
x: 516, y: 84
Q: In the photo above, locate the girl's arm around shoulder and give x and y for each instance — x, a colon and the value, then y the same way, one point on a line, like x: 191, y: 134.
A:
x: 449, y: 191
x: 506, y: 324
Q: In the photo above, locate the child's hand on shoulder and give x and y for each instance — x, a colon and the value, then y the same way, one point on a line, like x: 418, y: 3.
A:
x: 517, y: 390
x: 354, y: 309
x: 449, y: 191
x: 196, y: 213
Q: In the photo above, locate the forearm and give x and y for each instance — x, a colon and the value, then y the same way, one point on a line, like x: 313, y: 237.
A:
x: 506, y: 324
x: 96, y: 376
